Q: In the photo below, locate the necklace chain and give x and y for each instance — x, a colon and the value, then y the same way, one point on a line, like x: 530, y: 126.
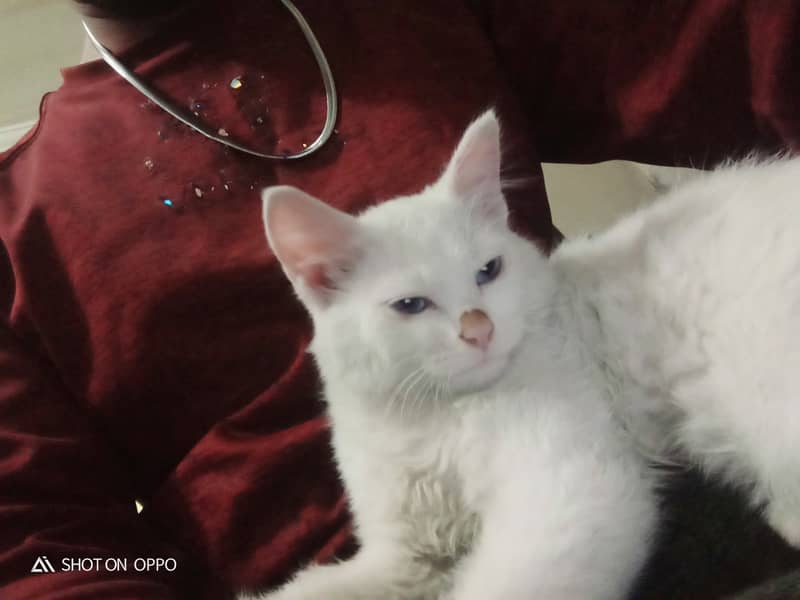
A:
x: 196, y: 124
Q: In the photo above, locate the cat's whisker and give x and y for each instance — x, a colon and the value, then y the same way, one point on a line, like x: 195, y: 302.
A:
x: 413, y: 388
x: 434, y: 392
x: 440, y: 397
x: 419, y: 399
x: 419, y: 379
x: 407, y: 394
x: 407, y: 381
x: 414, y: 393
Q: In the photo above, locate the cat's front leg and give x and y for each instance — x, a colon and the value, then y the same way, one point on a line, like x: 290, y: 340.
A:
x: 373, y: 574
x: 578, y: 532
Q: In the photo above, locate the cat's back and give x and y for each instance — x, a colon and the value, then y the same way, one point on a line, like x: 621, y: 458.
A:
x: 698, y: 295
x: 722, y: 238
x: 726, y: 245
x: 745, y: 213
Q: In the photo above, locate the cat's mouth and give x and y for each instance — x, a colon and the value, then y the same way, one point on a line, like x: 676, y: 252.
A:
x: 480, y: 374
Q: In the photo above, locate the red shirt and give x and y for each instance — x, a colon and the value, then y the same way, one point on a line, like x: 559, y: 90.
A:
x: 157, y: 352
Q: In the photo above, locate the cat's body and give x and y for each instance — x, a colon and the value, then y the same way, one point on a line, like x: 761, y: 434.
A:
x: 692, y: 307
x: 505, y: 493
x: 470, y: 424
x: 484, y: 418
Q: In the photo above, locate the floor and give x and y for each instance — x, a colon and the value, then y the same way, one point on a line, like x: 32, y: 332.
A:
x: 40, y: 36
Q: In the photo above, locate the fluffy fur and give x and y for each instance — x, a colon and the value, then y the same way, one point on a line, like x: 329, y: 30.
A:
x: 474, y: 472
x: 692, y: 308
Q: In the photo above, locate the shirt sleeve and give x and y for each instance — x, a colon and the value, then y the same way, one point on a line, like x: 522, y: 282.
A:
x: 68, y: 525
x: 678, y: 83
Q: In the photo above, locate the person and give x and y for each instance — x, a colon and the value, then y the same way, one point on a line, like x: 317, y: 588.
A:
x: 151, y: 348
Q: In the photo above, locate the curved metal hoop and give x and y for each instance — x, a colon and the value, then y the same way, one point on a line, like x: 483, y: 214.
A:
x: 188, y: 119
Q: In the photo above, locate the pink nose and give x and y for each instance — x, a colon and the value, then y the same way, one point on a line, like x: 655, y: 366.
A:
x: 476, y: 328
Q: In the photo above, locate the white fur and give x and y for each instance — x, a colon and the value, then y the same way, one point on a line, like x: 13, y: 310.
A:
x: 693, y: 308
x: 471, y: 476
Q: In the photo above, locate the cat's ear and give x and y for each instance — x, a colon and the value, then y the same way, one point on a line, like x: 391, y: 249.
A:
x: 315, y: 243
x: 473, y: 173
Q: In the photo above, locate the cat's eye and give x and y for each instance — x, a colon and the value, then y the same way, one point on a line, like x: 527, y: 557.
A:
x: 489, y: 271
x: 411, y: 306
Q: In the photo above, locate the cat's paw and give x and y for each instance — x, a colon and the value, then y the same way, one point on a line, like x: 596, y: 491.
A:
x: 785, y: 519
x: 252, y: 596
x: 276, y: 594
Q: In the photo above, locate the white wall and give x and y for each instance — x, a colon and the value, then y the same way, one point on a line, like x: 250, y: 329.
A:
x: 37, y: 38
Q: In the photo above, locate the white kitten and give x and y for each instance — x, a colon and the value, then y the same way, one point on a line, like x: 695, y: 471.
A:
x: 692, y: 306
x: 470, y: 425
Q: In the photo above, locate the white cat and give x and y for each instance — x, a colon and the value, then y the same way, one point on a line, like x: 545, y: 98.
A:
x: 692, y: 307
x: 471, y: 423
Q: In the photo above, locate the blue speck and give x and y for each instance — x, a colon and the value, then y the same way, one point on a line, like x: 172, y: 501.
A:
x: 167, y: 202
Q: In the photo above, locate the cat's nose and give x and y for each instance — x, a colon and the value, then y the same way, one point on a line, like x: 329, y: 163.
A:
x: 476, y: 328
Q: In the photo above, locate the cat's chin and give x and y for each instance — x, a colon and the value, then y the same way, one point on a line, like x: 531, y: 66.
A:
x: 480, y: 376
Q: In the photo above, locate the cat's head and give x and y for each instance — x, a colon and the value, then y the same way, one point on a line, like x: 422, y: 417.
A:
x: 424, y: 294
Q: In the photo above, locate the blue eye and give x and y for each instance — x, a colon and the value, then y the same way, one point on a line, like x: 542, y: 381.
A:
x: 490, y: 271
x: 411, y: 306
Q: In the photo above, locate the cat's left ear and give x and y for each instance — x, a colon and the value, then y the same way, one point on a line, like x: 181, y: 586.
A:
x: 316, y: 244
x: 474, y: 171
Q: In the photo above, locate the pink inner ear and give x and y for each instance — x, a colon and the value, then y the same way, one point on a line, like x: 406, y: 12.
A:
x: 474, y: 171
x: 316, y: 276
x: 314, y: 242
x: 477, y: 166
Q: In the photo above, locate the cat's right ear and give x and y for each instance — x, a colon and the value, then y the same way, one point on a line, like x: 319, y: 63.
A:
x: 473, y: 173
x: 315, y: 243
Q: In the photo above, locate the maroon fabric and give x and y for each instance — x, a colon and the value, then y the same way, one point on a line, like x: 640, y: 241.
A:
x: 157, y: 352
x: 683, y: 82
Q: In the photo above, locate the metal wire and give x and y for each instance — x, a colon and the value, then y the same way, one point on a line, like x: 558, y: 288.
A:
x: 188, y: 118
